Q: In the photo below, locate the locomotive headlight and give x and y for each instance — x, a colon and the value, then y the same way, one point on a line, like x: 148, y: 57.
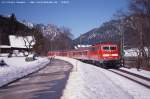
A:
x: 105, y: 55
x: 114, y: 54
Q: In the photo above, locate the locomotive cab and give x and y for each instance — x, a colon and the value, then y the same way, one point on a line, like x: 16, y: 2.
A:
x: 110, y: 55
x: 110, y: 52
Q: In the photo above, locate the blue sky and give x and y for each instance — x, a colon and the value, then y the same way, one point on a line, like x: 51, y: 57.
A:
x: 79, y: 15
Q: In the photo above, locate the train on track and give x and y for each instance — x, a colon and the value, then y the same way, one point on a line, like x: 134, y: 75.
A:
x: 105, y: 54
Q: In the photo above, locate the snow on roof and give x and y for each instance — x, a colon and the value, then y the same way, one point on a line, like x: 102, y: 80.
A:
x: 83, y: 45
x: 18, y: 41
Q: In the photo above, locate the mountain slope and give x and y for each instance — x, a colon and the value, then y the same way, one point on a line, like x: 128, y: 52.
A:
x: 108, y: 32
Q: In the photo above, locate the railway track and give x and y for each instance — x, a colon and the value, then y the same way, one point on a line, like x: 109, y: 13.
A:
x: 144, y: 81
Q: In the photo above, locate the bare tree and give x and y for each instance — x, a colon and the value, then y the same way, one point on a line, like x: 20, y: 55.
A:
x: 66, y: 37
x: 41, y: 43
x: 0, y: 40
x: 29, y: 41
x: 27, y: 36
x: 138, y: 19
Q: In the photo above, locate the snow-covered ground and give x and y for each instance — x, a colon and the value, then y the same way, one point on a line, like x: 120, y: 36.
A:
x: 134, y: 89
x: 140, y: 72
x: 131, y: 52
x: 17, y: 68
x: 90, y: 82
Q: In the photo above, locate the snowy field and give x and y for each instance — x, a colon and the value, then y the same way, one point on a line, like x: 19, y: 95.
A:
x: 90, y: 82
x: 17, y: 68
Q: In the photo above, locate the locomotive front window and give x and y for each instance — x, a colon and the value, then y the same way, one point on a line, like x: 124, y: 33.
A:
x: 109, y: 48
x: 106, y: 48
x: 112, y: 48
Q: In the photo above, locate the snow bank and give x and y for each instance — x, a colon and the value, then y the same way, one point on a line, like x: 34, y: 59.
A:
x: 17, y: 68
x: 88, y: 82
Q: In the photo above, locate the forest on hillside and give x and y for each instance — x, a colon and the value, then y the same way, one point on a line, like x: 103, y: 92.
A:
x: 47, y: 38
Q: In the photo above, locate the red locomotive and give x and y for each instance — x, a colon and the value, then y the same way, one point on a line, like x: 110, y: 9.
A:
x: 105, y: 55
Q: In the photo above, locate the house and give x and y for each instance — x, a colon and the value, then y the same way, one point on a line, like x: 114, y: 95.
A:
x: 20, y: 43
x: 4, y: 48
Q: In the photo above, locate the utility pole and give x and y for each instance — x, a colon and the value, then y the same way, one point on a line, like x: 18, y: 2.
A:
x: 122, y: 48
x: 121, y: 44
x: 80, y: 40
x: 0, y: 43
x: 142, y: 50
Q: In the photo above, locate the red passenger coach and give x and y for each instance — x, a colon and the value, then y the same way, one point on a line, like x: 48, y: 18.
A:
x: 106, y: 54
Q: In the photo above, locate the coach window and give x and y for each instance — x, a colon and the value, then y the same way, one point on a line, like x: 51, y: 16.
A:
x: 97, y: 48
x: 85, y: 53
x: 80, y: 53
x: 92, y: 49
x: 73, y: 53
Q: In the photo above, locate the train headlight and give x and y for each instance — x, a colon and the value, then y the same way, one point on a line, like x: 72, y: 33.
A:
x: 114, y: 54
x: 105, y: 55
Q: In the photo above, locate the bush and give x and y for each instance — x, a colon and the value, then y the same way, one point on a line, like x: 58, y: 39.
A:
x: 2, y: 63
x: 31, y: 57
